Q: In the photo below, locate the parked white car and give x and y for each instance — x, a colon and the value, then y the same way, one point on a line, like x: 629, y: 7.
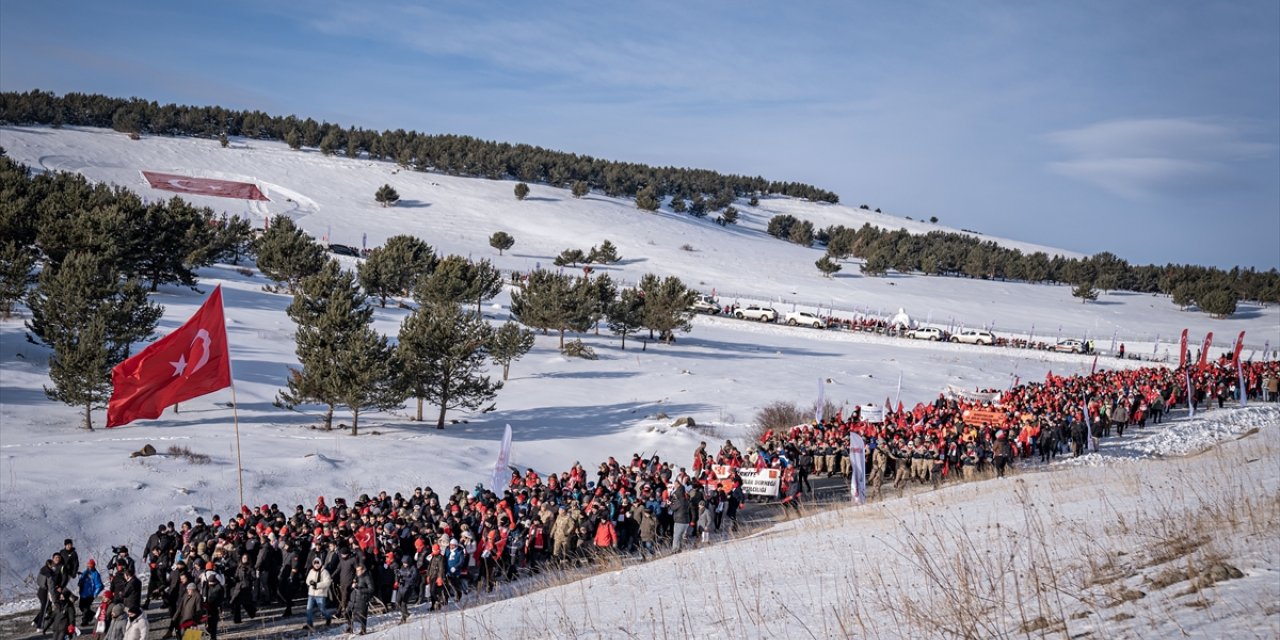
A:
x: 1070, y: 346
x: 753, y: 312
x: 975, y: 336
x: 927, y: 333
x: 804, y: 318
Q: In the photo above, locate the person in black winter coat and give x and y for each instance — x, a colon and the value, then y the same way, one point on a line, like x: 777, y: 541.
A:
x: 408, y: 585
x: 62, y: 615
x: 358, y: 601
x: 130, y: 593
x: 46, y: 584
x: 346, y: 577
x: 245, y: 580
x: 70, y: 560
x: 290, y: 575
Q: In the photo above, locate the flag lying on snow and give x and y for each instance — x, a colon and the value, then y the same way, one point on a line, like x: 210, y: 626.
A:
x: 185, y: 364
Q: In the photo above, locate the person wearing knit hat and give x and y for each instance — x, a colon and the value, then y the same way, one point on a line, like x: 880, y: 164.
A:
x: 90, y: 585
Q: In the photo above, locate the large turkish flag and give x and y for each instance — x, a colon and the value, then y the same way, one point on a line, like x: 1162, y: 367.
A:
x: 185, y: 364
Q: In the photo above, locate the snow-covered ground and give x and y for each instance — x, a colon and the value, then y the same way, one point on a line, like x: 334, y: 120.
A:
x: 58, y: 481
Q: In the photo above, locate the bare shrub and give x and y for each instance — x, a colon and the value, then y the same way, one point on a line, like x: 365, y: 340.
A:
x: 576, y: 349
x: 176, y: 451
x: 779, y: 415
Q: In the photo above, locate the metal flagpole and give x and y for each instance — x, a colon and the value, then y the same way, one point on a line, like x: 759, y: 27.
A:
x: 235, y: 419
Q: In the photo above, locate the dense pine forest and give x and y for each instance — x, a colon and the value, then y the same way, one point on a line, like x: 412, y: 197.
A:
x: 450, y: 154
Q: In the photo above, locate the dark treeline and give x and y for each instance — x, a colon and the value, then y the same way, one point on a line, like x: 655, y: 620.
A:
x: 451, y: 154
x: 1213, y: 290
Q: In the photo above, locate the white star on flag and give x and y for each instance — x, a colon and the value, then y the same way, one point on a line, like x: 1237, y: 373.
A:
x: 180, y: 366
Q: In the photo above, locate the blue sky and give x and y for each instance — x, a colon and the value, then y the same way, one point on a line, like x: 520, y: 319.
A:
x: 1149, y: 129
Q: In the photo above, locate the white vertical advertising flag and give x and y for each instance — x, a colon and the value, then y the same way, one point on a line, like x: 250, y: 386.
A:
x: 501, y: 475
x: 822, y: 400
x: 1088, y: 425
x: 858, y: 460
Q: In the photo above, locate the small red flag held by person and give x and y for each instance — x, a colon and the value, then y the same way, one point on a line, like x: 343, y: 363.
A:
x: 185, y: 364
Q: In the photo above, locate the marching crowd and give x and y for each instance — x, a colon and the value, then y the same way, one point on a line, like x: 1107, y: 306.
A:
x: 377, y: 552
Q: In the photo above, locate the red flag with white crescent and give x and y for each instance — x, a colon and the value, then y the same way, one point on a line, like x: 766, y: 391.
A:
x: 185, y: 364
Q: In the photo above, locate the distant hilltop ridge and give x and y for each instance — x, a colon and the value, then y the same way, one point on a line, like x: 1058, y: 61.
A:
x: 446, y: 153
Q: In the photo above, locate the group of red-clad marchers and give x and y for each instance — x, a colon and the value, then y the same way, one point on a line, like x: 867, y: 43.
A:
x: 377, y: 552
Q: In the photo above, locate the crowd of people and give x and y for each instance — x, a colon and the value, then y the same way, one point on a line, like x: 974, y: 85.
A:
x: 393, y: 551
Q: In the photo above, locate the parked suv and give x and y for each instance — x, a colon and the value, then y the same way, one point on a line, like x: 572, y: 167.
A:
x: 753, y: 312
x: 705, y: 304
x: 927, y: 333
x: 797, y: 318
x: 975, y: 336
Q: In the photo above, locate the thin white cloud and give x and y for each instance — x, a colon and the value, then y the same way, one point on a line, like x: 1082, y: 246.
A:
x: 1143, y: 158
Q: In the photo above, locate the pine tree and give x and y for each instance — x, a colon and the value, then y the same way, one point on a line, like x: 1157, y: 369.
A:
x: 551, y: 301
x: 91, y: 319
x: 1220, y: 302
x: 780, y: 225
x: 569, y: 258
x: 522, y: 191
x: 449, y: 283
x: 223, y: 140
x: 647, y: 199
x: 580, y: 189
x: 365, y: 377
x: 827, y: 266
x: 801, y: 233
x: 442, y: 353
x: 1085, y: 292
x: 754, y: 201
x: 698, y: 206
x: 666, y: 305
x: 607, y: 253
x: 485, y: 283
x: 509, y: 343
x: 293, y: 139
x: 727, y: 217
x: 386, y: 196
x: 233, y: 240
x: 678, y: 205
x: 344, y: 362
x: 286, y: 254
x: 173, y: 237
x: 626, y: 314
x: 396, y: 267
x: 16, y: 263
x: 501, y: 240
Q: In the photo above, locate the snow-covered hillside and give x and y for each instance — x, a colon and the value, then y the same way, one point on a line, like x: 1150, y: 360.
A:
x: 332, y: 197
x: 58, y: 481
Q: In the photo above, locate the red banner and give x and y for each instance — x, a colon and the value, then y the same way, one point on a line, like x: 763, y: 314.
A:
x: 1204, y: 352
x: 1235, y: 355
x: 1182, y: 352
x: 987, y: 417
